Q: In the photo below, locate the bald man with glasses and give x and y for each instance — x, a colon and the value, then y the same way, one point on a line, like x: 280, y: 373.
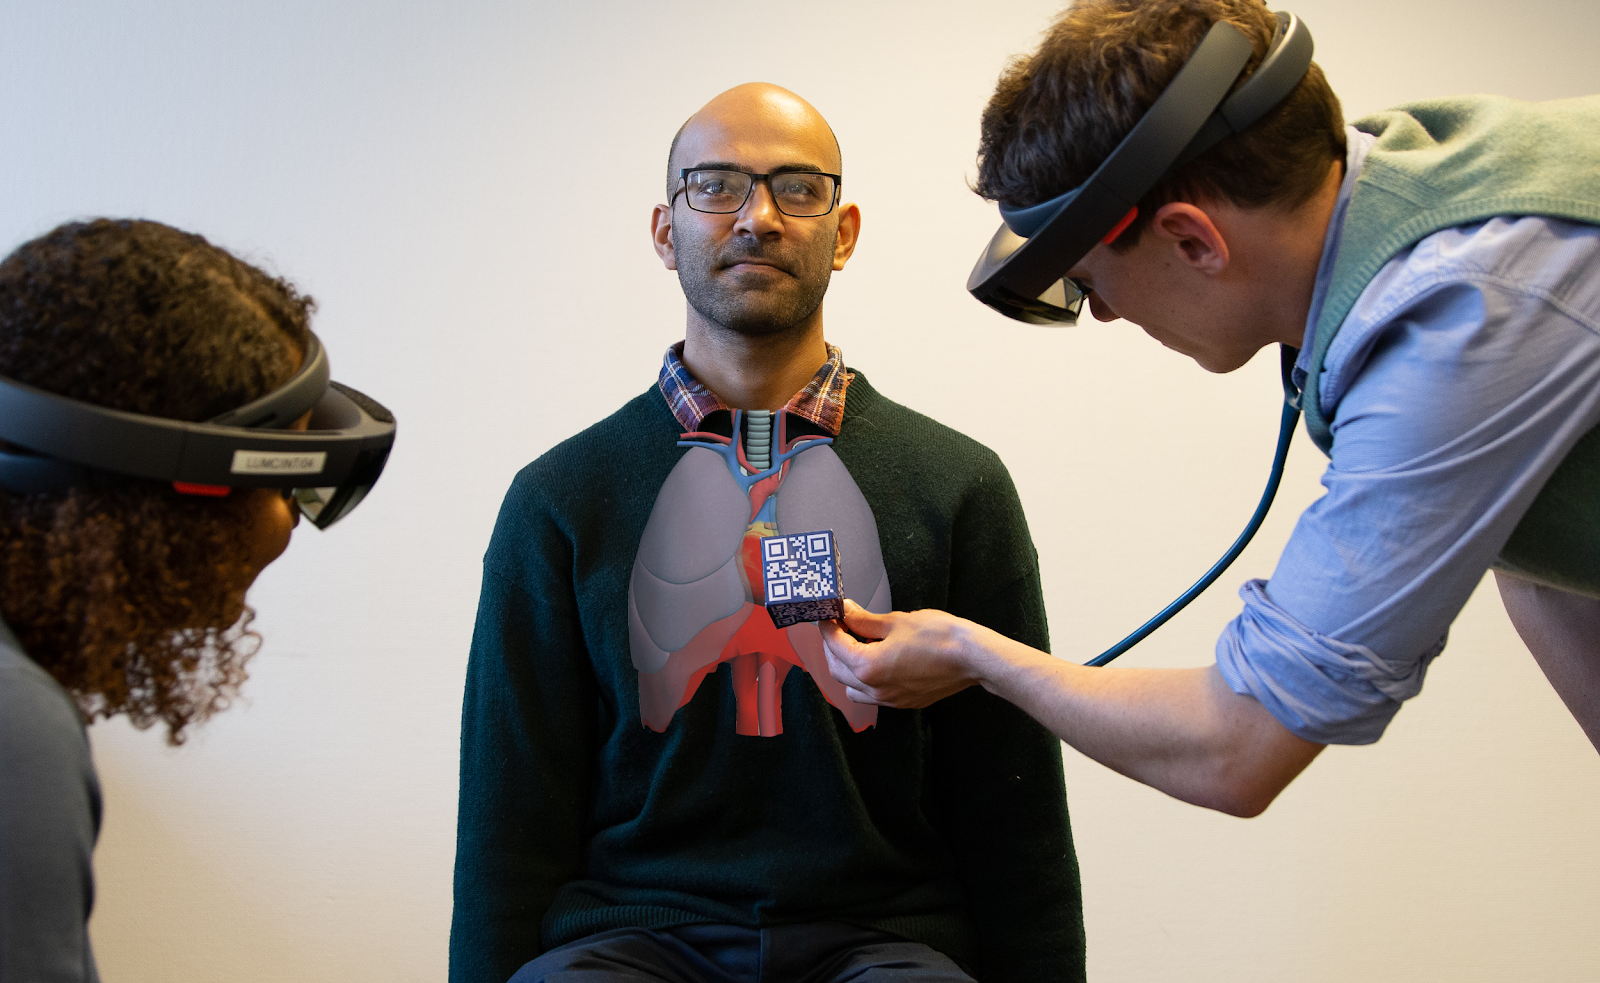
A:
x: 660, y: 781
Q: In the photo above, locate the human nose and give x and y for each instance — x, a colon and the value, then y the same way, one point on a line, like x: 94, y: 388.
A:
x: 760, y: 213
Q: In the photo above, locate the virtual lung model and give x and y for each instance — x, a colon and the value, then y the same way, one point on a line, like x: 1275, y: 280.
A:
x: 698, y: 593
x: 800, y: 574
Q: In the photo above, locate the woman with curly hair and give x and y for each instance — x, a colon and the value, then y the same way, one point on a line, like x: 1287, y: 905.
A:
x: 121, y: 595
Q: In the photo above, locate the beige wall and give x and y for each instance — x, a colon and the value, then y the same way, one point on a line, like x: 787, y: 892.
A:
x: 414, y: 167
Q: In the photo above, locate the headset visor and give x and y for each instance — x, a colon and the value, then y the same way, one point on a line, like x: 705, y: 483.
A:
x: 1022, y: 273
x: 1060, y: 302
x: 343, y: 409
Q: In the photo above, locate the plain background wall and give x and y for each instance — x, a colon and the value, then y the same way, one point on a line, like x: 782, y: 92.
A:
x: 465, y: 188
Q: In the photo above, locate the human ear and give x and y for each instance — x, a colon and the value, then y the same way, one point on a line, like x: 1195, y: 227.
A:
x: 1193, y: 236
x: 849, y: 232
x: 661, y: 235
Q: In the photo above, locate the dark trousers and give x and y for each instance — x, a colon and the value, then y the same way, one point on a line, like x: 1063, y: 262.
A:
x: 821, y: 952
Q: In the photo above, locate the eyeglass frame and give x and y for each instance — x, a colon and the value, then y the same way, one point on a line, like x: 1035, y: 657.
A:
x: 683, y: 178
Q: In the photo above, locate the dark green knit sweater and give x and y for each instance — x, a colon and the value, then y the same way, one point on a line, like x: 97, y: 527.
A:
x: 947, y: 826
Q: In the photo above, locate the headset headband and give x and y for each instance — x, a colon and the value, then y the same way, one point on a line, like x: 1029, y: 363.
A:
x: 334, y: 462
x: 1020, y: 274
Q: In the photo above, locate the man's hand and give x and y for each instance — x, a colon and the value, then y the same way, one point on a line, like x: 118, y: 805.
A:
x: 916, y: 658
x: 1178, y: 730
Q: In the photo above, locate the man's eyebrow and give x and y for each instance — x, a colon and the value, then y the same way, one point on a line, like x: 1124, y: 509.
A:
x: 728, y: 165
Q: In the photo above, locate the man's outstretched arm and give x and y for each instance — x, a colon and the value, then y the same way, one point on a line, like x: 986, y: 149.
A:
x: 1182, y: 731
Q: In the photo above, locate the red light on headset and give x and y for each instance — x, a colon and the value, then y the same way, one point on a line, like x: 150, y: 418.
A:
x: 210, y: 491
x: 1117, y: 229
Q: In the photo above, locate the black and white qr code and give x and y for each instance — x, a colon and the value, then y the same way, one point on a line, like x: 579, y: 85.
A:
x: 799, y: 567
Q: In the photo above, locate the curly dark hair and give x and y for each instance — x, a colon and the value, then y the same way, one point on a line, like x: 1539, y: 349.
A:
x: 130, y: 594
x: 1058, y: 113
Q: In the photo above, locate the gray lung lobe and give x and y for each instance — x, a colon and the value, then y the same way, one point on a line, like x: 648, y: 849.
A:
x: 686, y: 574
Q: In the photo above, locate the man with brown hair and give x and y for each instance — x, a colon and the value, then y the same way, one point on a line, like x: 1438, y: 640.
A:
x: 1438, y: 267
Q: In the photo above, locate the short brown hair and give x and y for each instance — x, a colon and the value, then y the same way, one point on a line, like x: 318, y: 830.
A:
x: 1058, y: 113
x: 129, y: 594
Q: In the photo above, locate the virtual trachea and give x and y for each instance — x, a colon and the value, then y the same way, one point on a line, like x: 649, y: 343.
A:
x: 758, y: 439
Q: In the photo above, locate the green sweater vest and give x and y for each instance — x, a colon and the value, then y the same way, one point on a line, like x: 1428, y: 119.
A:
x: 1448, y: 162
x: 947, y: 825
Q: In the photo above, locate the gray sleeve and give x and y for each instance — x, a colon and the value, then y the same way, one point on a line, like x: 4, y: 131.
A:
x: 49, y: 819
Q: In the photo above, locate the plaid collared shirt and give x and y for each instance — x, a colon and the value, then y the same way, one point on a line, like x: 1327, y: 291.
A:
x: 821, y: 401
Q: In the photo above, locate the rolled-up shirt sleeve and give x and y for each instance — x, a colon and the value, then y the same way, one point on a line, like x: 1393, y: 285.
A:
x: 1319, y: 688
x: 1461, y: 379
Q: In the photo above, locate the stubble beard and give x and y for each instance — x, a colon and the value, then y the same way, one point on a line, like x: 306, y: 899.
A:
x: 752, y: 312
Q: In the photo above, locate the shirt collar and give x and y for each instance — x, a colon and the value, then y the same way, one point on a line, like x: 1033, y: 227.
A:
x: 821, y: 400
x: 1357, y: 145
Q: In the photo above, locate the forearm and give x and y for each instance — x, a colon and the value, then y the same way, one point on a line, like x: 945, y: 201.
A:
x: 1182, y: 731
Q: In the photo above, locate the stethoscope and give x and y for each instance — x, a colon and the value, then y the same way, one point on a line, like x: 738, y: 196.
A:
x: 1286, y: 425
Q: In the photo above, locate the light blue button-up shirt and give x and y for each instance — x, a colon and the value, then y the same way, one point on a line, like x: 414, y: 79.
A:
x: 1467, y: 369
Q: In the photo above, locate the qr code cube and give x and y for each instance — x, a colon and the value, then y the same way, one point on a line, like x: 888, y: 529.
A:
x: 801, y: 575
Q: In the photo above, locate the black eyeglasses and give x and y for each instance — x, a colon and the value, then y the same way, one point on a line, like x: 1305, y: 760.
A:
x: 798, y: 194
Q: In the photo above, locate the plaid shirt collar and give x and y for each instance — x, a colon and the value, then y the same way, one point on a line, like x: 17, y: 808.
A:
x: 821, y: 401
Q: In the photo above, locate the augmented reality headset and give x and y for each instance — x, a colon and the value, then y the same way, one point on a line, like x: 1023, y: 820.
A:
x: 1022, y: 272
x: 326, y: 470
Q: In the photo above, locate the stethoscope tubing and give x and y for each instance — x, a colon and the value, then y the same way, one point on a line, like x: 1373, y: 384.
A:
x: 1291, y: 417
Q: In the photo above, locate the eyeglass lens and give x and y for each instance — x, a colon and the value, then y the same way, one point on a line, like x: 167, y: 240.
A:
x: 799, y: 194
